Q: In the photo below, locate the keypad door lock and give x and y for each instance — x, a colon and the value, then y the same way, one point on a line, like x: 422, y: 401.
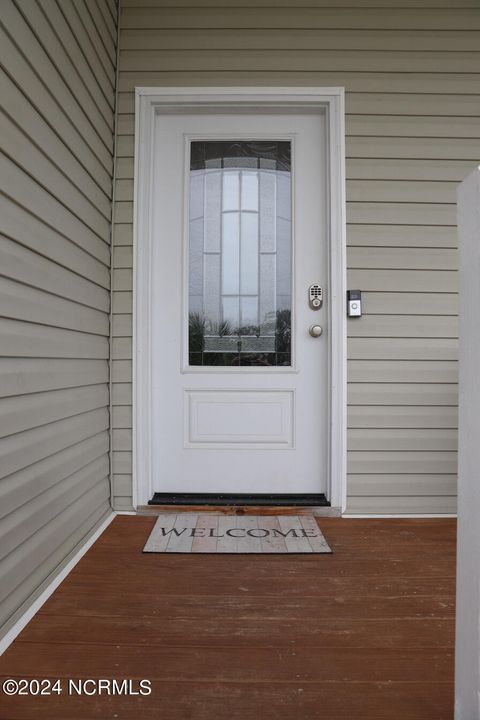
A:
x: 315, y: 297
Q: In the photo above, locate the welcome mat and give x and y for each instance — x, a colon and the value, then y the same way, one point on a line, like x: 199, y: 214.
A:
x: 202, y: 533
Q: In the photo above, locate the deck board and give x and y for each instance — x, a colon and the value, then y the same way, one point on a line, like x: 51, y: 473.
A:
x: 367, y: 632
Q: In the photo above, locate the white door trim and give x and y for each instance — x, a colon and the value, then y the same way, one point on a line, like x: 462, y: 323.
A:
x: 148, y: 102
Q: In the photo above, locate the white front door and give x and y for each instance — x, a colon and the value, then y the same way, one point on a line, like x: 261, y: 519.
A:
x: 239, y: 222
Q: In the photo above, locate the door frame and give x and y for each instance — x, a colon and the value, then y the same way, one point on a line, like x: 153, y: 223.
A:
x: 150, y: 101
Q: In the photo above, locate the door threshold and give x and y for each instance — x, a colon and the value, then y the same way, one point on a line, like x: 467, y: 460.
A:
x: 310, y: 510
x: 239, y: 500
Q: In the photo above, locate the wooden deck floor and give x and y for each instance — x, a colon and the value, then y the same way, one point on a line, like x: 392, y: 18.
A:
x: 366, y: 632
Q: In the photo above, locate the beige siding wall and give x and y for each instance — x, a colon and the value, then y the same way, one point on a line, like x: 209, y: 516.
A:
x: 413, y: 131
x: 57, y: 135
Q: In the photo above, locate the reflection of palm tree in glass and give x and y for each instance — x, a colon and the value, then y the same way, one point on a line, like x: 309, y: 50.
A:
x: 232, y: 354
x: 196, y: 332
x: 222, y: 329
x: 198, y: 328
x: 283, y: 331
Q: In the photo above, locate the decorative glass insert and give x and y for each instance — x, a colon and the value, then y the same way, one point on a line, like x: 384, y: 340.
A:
x: 240, y: 253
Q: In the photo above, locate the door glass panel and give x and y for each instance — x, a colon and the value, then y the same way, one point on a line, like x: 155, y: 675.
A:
x: 250, y: 191
x: 230, y: 254
x: 240, y: 253
x: 231, y: 190
x: 249, y: 255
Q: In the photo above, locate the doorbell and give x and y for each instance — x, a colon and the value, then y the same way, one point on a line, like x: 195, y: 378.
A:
x: 354, y: 303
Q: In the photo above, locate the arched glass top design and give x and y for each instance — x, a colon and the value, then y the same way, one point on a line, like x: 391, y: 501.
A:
x: 240, y: 253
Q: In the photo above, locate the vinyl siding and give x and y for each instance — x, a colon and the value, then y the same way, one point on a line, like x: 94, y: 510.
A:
x: 57, y: 123
x: 412, y: 78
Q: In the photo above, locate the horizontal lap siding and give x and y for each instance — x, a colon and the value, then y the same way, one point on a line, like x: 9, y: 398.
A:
x: 411, y: 76
x: 58, y: 94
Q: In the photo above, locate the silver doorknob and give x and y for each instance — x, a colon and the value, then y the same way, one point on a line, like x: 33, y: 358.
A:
x: 315, y: 330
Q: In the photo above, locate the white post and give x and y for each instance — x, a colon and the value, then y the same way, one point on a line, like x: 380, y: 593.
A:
x: 467, y: 673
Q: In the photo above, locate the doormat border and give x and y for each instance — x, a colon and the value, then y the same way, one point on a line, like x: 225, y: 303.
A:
x: 201, y: 533
x: 260, y: 500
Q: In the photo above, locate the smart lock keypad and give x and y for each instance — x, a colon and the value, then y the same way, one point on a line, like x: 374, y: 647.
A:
x: 315, y: 297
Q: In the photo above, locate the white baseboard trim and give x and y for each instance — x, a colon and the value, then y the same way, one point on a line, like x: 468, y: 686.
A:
x: 10, y: 636
x: 410, y: 516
